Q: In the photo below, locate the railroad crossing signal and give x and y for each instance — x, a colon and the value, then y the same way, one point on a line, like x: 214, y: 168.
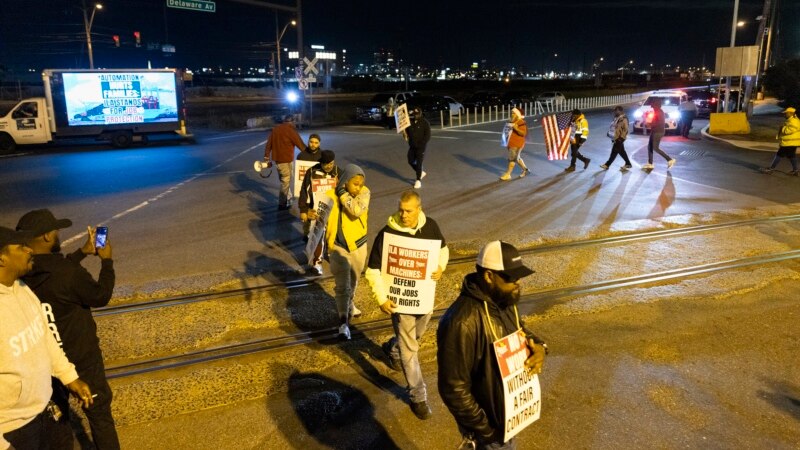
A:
x: 311, y: 66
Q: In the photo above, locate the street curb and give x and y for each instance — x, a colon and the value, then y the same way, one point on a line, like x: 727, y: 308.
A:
x: 741, y: 143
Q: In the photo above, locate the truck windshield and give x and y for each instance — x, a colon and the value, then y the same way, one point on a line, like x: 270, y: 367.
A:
x: 665, y: 101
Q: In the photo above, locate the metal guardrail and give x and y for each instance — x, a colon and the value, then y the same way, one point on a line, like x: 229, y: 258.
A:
x: 477, y: 116
x: 499, y: 113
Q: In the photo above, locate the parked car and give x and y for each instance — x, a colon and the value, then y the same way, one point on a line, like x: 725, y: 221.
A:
x: 456, y: 108
x: 706, y: 101
x: 517, y: 97
x: 482, y: 99
x: 670, y: 102
x: 377, y: 109
x: 430, y: 104
x: 552, y: 98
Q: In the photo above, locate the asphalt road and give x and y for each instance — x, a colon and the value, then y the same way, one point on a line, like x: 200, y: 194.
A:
x: 186, y: 217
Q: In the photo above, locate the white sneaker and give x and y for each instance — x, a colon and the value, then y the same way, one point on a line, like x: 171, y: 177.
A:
x: 344, y: 332
x: 318, y: 268
x: 417, y: 184
x: 423, y: 175
x: 356, y: 312
x: 648, y: 167
x: 671, y: 163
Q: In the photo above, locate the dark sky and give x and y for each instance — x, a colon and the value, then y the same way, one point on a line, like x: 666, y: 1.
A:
x: 436, y: 33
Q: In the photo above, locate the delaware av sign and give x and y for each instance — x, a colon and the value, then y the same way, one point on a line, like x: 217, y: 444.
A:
x: 194, y: 5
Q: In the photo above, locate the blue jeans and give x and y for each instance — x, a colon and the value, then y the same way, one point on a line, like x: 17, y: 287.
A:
x: 408, y: 330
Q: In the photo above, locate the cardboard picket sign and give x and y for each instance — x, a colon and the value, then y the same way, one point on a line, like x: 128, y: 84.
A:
x: 317, y: 230
x: 406, y: 267
x: 299, y: 168
x: 522, y: 395
x: 401, y: 118
x: 506, y: 134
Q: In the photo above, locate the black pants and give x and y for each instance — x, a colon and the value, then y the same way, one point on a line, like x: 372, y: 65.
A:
x: 101, y: 422
x: 687, y: 117
x: 415, y: 157
x: 30, y: 436
x: 576, y: 153
x: 618, y: 148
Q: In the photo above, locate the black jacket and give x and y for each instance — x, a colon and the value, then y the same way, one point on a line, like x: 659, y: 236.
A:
x: 306, y: 201
x: 419, y: 133
x: 470, y: 383
x: 71, y: 292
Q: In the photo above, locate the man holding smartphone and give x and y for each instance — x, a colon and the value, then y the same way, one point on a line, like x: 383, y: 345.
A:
x: 68, y: 292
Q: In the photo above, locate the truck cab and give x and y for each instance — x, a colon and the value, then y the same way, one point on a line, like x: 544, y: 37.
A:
x: 26, y: 123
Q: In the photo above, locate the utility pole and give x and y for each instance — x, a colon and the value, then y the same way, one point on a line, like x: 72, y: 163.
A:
x: 762, y: 29
x: 733, y: 44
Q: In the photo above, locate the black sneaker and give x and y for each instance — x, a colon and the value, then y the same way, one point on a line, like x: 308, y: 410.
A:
x: 570, y: 169
x: 393, y: 363
x: 586, y: 163
x: 421, y: 410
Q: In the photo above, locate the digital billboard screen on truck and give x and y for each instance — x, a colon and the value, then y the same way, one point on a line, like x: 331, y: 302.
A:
x: 118, y: 98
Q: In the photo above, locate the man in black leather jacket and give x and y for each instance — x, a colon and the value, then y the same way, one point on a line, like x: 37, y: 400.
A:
x: 469, y: 377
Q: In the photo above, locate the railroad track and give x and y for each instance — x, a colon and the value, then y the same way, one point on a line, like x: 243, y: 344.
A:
x: 363, y: 329
x: 301, y: 282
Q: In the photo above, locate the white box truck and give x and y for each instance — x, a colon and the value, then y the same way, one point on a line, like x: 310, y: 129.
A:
x: 120, y: 106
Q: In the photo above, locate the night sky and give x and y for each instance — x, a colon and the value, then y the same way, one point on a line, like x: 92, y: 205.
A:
x: 437, y: 33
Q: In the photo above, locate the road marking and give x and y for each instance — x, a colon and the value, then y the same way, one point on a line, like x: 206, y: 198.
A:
x: 163, y: 194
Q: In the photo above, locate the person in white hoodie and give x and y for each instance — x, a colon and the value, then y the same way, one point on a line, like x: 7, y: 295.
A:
x: 29, y: 354
x: 403, y: 347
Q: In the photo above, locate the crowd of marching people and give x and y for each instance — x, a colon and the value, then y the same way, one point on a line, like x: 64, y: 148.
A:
x: 49, y: 347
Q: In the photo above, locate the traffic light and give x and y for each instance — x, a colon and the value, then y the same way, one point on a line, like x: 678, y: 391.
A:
x: 138, y: 37
x: 116, y: 40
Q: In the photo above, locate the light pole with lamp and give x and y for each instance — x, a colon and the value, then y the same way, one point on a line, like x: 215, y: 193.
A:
x: 87, y: 25
x: 278, y: 37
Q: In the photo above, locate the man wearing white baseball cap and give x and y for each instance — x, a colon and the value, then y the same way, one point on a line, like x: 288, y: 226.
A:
x: 470, y: 382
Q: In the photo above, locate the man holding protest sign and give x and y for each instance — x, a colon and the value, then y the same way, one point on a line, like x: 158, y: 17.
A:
x: 317, y: 180
x: 488, y: 362
x: 408, y: 256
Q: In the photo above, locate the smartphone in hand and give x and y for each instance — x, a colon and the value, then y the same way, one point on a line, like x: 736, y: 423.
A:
x: 100, y: 237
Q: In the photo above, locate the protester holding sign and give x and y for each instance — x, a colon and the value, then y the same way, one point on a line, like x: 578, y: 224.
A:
x: 317, y: 180
x: 346, y: 237
x: 417, y: 134
x: 401, y: 258
x: 472, y: 368
x: 517, y: 130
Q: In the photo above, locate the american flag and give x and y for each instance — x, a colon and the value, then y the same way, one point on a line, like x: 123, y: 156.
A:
x: 556, y: 134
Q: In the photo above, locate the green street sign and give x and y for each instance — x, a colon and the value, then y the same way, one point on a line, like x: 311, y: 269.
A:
x: 194, y: 5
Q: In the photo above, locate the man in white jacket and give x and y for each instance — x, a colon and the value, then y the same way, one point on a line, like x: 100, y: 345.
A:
x: 29, y: 354
x: 409, y: 221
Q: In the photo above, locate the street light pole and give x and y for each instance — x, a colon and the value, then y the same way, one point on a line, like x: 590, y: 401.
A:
x: 87, y: 25
x: 733, y: 44
x: 278, y: 37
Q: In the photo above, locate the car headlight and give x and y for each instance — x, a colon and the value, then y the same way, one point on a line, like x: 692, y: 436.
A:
x: 637, y: 114
x: 675, y: 115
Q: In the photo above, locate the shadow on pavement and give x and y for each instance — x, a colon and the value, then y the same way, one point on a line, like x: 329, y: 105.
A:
x: 783, y: 396
x: 335, y: 414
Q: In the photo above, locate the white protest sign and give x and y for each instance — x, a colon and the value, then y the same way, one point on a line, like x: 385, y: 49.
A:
x: 406, y: 267
x: 401, y: 119
x: 299, y: 168
x: 522, y: 393
x: 507, y: 129
x: 317, y: 232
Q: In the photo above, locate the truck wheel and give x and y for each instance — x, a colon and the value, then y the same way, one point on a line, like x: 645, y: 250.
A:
x: 7, y: 144
x: 122, y: 139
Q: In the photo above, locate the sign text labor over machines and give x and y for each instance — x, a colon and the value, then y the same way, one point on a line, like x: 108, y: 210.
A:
x: 406, y: 268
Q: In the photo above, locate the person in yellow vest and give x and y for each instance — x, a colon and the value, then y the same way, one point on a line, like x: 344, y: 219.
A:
x: 788, y: 140
x: 346, y: 235
x: 580, y: 132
